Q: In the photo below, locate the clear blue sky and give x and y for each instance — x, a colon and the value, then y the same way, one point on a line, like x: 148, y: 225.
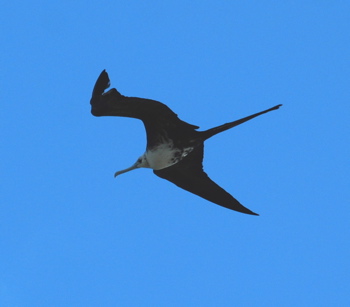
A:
x: 72, y: 235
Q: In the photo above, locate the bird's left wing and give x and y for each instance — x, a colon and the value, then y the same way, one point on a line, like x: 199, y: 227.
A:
x: 159, y: 120
x: 188, y: 174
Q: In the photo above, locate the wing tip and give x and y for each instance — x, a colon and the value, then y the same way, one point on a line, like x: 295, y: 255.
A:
x: 245, y: 211
x: 253, y: 213
x: 101, y: 84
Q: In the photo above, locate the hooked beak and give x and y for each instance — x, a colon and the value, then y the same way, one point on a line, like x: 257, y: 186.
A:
x: 126, y: 170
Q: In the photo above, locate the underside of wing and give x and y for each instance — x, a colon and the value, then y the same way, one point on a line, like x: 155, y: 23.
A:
x: 188, y: 174
x: 112, y: 103
x: 159, y: 120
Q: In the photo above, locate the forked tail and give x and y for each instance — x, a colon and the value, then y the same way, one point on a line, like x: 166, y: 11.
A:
x: 211, y: 132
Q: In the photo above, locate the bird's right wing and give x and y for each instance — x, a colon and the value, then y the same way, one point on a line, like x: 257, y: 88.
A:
x: 188, y: 174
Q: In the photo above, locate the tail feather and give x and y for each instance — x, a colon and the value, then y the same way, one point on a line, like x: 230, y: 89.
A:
x: 211, y: 132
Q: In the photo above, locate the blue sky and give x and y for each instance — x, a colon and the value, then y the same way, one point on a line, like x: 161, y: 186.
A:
x: 72, y: 235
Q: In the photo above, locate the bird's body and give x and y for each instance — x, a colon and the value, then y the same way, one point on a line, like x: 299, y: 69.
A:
x: 174, y: 148
x: 165, y: 155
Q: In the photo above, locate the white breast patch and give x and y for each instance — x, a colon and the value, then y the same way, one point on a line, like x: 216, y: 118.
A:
x: 165, y: 155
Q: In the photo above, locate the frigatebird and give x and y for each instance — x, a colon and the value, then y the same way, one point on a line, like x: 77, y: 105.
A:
x: 174, y: 148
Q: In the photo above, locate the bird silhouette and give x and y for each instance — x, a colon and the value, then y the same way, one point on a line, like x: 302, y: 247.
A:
x: 174, y: 148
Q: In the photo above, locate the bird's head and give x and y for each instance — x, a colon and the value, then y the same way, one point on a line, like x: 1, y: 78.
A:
x: 141, y: 162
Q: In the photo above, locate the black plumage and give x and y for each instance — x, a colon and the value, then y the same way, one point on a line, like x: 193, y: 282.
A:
x: 174, y: 148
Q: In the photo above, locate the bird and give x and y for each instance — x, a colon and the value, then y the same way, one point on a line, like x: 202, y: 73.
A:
x: 174, y: 148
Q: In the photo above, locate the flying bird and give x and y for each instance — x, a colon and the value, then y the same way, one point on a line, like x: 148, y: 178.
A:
x: 174, y: 148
